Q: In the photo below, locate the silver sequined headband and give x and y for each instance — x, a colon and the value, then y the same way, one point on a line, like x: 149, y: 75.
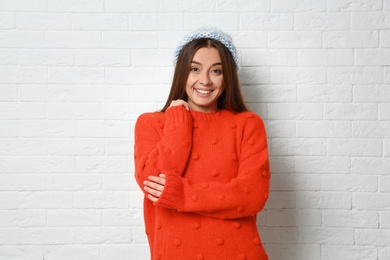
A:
x: 209, y: 33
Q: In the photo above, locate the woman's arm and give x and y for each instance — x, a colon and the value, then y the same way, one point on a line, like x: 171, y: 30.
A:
x: 162, y: 147
x: 243, y: 196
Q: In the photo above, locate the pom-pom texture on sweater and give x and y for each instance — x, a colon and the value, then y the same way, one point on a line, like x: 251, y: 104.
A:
x: 217, y: 180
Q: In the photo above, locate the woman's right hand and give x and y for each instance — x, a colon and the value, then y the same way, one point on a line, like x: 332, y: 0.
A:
x: 180, y: 102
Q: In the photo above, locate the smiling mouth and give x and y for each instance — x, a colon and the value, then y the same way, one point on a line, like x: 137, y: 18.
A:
x: 203, y: 92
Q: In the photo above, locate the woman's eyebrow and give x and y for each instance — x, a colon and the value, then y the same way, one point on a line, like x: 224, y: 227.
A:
x: 215, y: 64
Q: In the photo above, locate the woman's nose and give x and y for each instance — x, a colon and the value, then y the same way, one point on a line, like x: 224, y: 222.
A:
x: 205, y: 79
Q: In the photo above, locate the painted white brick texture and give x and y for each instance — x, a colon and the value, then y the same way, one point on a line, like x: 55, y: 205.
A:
x: 75, y: 75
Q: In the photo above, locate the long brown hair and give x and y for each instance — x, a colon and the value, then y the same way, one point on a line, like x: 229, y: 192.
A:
x: 230, y: 99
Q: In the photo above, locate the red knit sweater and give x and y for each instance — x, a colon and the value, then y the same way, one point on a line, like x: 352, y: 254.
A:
x: 218, y: 177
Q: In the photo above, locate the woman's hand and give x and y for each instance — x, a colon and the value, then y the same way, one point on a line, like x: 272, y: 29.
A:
x: 180, y: 102
x: 155, y: 186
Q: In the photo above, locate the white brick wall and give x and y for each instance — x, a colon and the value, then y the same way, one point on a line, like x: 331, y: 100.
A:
x: 74, y: 76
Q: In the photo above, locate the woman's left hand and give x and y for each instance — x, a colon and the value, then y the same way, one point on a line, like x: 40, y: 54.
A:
x: 155, y: 186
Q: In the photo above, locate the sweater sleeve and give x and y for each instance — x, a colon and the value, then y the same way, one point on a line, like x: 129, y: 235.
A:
x: 162, y: 147
x: 243, y: 196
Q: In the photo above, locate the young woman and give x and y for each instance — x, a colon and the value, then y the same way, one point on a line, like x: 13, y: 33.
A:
x: 202, y: 161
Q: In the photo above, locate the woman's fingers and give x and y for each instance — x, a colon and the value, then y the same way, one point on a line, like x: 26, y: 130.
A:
x: 180, y: 102
x: 155, y: 187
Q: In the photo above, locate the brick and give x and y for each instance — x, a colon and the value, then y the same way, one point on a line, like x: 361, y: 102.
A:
x: 350, y: 218
x: 22, y: 39
x: 373, y: 129
x: 123, y: 217
x: 23, y: 218
x: 139, y: 236
x: 136, y: 199
x: 282, y: 164
x: 22, y: 182
x: 46, y: 57
x: 122, y: 252
x: 21, y: 252
x: 322, y: 164
x: 155, y: 21
x: 324, y: 93
x: 76, y: 75
x: 44, y: 21
x: 349, y: 183
x: 354, y: 6
x: 376, y: 165
x: 384, y: 182
x: 107, y: 235
x: 327, y: 236
x: 120, y: 182
x: 325, y: 58
x: 9, y: 200
x: 119, y: 147
x: 71, y: 6
x: 354, y: 147
x: 371, y: 93
x: 133, y: 75
x: 384, y: 39
x: 46, y: 164
x: 237, y: 6
x: 109, y: 128
x: 321, y: 21
x: 279, y: 235
x: 249, y: 39
x: 10, y: 128
x: 42, y: 93
x: 152, y: 58
x: 10, y: 236
x: 44, y: 128
x: 253, y: 75
x: 387, y: 75
x: 9, y: 164
x: 351, y: 111
x: 102, y: 58
x: 349, y: 252
x: 292, y: 75
x: 355, y: 75
x: 48, y: 236
x: 18, y: 75
x: 371, y: 201
x: 378, y: 237
x: 269, y: 93
x: 114, y: 6
x: 45, y: 200
x: 228, y: 21
x: 22, y: 110
x: 281, y: 200
x: 370, y: 20
x: 100, y: 22
x: 78, y: 251
x: 280, y: 128
x: 129, y: 40
x: 24, y: 5
x: 386, y: 147
x: 297, y: 146
x: 76, y: 146
x: 323, y: 200
x: 295, y: 40
x: 101, y: 199
x: 384, y: 253
x: 73, y: 182
x: 384, y: 219
x: 266, y: 21
x: 8, y: 57
x: 293, y: 251
x: 293, y: 218
x: 90, y: 94
x: 386, y: 5
x: 73, y: 39
x: 351, y: 39
x: 7, y: 21
x: 298, y: 6
x: 68, y: 110
x: 372, y: 57
x: 155, y: 93
x: 323, y: 129
x: 295, y: 111
x: 384, y: 111
x: 101, y: 164
x: 302, y: 182
x: 269, y: 57
x: 25, y: 146
x: 188, y: 6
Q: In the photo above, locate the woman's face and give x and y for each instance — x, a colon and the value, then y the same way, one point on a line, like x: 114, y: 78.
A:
x: 205, y: 81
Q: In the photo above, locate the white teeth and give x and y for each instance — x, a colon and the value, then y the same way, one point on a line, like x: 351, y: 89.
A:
x: 204, y: 92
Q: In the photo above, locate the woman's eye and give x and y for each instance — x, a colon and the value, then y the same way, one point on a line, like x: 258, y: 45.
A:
x: 216, y: 71
x: 194, y: 69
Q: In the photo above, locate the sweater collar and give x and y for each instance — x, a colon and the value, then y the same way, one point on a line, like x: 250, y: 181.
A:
x: 196, y: 115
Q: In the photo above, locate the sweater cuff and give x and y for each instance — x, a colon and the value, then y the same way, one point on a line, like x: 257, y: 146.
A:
x: 172, y: 193
x: 177, y: 114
